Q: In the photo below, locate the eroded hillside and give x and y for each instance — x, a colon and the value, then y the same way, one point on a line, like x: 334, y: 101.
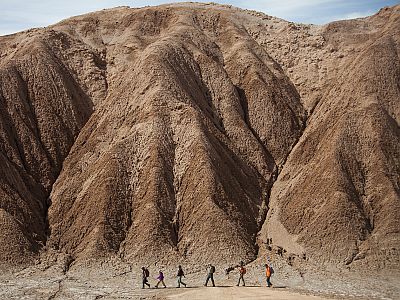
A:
x: 201, y: 132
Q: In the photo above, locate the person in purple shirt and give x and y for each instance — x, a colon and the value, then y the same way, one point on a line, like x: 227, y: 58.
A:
x: 160, y: 279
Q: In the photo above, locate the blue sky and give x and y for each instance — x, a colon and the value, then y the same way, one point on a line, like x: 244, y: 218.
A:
x: 17, y: 15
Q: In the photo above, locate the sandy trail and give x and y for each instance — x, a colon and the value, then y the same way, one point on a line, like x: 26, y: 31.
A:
x: 227, y: 293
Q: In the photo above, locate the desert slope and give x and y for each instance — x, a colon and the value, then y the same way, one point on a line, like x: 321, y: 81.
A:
x: 43, y: 108
x: 192, y: 144
x: 200, y: 132
x: 345, y: 167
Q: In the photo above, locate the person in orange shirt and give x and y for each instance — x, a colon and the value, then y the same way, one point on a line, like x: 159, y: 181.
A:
x: 268, y: 272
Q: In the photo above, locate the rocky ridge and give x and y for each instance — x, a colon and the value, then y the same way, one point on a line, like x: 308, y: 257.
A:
x: 198, y: 132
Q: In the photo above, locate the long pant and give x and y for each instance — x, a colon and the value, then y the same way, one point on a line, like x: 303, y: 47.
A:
x: 210, y: 276
x: 180, y: 281
x: 242, y: 279
x: 145, y: 282
x: 162, y: 281
x: 269, y: 281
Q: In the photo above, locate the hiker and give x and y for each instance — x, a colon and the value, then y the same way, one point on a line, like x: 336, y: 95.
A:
x: 210, y: 274
x: 145, y: 274
x: 180, y: 275
x: 268, y: 272
x: 160, y: 278
x: 242, y: 271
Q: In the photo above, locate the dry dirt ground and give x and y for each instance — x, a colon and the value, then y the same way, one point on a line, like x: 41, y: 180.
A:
x: 256, y: 293
x: 125, y: 288
x: 116, y: 280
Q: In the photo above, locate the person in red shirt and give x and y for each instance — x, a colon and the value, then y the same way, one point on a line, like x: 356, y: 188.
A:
x: 242, y: 271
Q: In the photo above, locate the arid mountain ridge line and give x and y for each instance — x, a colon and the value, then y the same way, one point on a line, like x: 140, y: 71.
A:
x: 200, y: 132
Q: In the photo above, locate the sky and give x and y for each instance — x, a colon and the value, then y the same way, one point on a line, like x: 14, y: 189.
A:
x: 18, y: 15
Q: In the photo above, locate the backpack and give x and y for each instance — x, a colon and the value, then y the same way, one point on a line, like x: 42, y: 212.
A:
x: 146, y: 272
x: 271, y: 269
x: 268, y: 272
x: 243, y: 270
x: 212, y: 269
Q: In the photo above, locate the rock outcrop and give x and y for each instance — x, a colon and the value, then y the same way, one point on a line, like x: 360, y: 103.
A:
x: 199, y: 132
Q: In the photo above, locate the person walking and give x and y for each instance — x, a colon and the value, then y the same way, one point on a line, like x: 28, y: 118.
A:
x: 268, y: 272
x: 210, y: 275
x: 242, y: 271
x: 160, y: 279
x: 180, y: 275
x: 145, y: 275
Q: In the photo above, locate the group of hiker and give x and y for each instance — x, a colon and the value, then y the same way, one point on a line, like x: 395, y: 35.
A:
x: 268, y: 273
x: 210, y: 276
x: 160, y: 278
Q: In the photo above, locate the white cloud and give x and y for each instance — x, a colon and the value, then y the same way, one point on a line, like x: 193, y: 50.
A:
x: 356, y: 15
x: 348, y: 16
x: 289, y: 7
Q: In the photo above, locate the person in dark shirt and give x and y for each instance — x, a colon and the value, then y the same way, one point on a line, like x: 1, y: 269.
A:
x: 180, y: 275
x: 145, y: 274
